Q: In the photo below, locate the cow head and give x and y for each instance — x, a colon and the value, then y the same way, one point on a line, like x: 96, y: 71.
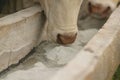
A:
x: 102, y: 8
x: 61, y: 24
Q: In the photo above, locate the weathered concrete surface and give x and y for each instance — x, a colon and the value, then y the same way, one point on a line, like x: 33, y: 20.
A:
x: 19, y: 33
x: 99, y: 58
x: 38, y: 72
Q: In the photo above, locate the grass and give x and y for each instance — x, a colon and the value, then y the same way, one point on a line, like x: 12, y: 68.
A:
x: 117, y: 74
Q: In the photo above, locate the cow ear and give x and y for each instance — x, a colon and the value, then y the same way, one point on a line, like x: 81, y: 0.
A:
x: 118, y: 4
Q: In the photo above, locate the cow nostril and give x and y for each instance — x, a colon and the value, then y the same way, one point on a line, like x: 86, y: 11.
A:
x: 65, y: 39
x: 107, y: 10
x: 118, y: 4
x: 90, y: 7
x: 59, y: 39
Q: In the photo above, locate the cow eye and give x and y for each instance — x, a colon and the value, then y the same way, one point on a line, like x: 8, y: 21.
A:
x: 118, y: 4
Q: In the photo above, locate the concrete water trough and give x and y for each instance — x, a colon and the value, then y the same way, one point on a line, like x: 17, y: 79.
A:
x: 98, y: 60
x: 19, y: 33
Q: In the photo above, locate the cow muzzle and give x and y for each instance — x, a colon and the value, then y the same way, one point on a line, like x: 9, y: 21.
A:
x: 66, y: 39
x: 99, y: 10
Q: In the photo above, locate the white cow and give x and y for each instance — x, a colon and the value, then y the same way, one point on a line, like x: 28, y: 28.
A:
x: 61, y: 24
